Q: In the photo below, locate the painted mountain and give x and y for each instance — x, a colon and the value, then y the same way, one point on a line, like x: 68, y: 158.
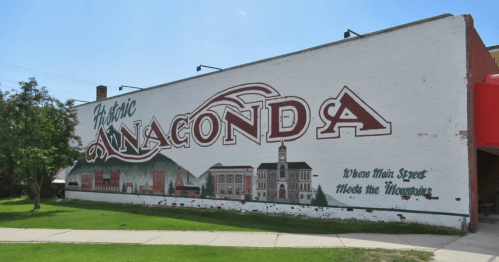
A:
x: 135, y: 173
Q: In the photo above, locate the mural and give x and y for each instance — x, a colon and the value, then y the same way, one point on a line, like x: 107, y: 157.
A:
x: 121, y: 162
x: 133, y: 161
x: 348, y: 126
x: 282, y: 181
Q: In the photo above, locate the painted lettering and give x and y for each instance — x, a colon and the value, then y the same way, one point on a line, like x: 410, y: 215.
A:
x: 370, y: 189
x: 406, y: 174
x: 345, y: 189
x: 235, y: 121
x: 207, y: 137
x: 381, y: 173
x: 393, y: 189
x: 349, y: 111
x: 356, y: 174
x: 154, y: 134
x: 116, y: 113
x: 289, y: 118
x: 128, y: 136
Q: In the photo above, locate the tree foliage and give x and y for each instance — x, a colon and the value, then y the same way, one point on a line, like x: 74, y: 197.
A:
x: 203, y: 192
x: 209, y: 185
x: 37, y: 134
x: 320, y: 198
x: 171, y: 190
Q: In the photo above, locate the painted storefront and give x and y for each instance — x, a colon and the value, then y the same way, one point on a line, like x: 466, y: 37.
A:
x: 378, y: 123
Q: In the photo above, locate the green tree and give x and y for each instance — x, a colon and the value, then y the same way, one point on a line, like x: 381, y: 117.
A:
x: 171, y: 190
x: 320, y: 198
x: 123, y: 188
x: 203, y: 191
x: 209, y: 185
x: 135, y: 188
x: 37, y: 134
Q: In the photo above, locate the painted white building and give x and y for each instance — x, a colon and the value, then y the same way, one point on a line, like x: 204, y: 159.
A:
x: 386, y: 121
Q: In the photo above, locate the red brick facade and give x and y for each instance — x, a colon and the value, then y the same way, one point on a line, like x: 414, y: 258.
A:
x: 479, y: 64
x: 111, y: 184
x: 158, y: 182
x: 232, y: 182
x: 87, y: 183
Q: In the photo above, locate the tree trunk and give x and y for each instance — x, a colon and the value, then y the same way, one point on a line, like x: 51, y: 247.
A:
x: 34, y: 187
x: 37, y: 202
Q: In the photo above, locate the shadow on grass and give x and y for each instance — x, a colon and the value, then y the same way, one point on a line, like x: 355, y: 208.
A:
x: 16, y: 201
x: 6, y: 217
x: 264, y: 222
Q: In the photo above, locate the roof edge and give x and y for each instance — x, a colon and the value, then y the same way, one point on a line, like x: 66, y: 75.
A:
x: 386, y: 30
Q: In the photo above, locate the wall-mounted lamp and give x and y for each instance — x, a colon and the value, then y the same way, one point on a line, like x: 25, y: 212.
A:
x: 347, y: 33
x: 121, y: 87
x: 199, y: 68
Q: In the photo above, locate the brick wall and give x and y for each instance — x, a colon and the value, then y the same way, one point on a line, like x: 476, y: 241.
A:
x: 479, y: 64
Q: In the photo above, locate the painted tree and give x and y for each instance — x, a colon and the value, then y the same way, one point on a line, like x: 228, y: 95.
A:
x: 37, y: 134
x: 171, y: 190
x: 320, y: 198
x: 203, y: 192
x: 209, y: 185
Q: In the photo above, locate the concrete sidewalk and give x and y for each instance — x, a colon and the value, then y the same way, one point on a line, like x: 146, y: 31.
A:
x: 473, y: 247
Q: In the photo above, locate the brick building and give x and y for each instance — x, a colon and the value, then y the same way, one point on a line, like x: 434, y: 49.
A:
x: 158, y: 182
x: 87, y: 182
x: 187, y: 189
x: 284, y: 181
x: 107, y: 182
x: 232, y: 182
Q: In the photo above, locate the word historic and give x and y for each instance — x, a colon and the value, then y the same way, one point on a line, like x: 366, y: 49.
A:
x: 139, y: 144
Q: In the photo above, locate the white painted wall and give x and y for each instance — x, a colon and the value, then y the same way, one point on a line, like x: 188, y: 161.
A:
x: 272, y: 208
x: 414, y: 77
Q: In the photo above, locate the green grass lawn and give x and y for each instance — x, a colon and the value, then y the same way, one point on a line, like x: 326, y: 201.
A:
x: 57, y: 214
x: 54, y: 252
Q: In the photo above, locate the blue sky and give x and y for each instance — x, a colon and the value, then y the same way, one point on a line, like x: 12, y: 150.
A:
x: 72, y: 46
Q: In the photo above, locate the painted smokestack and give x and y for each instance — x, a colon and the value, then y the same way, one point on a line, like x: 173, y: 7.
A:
x: 101, y: 93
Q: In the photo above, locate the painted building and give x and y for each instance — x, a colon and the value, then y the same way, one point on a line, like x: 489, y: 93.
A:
x: 284, y: 181
x: 387, y: 121
x: 232, y: 182
x: 186, y: 189
x: 109, y: 182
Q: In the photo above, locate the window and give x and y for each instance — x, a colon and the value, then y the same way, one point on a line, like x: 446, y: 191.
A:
x: 308, y: 185
x: 239, y: 179
x: 222, y: 190
x: 238, y: 191
x: 263, y: 194
x: 258, y: 194
x: 301, y: 196
x: 308, y: 197
x: 229, y: 189
x: 282, y: 172
x: 301, y: 186
x: 230, y: 178
x: 301, y: 175
x: 221, y: 178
